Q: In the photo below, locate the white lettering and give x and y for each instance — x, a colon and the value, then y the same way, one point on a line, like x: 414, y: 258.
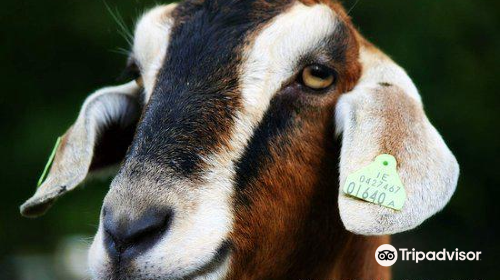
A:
x: 443, y: 255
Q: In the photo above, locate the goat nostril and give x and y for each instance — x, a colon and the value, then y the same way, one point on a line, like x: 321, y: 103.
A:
x: 126, y: 237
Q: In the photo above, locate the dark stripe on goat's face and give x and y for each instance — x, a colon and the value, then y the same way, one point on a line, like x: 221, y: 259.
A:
x: 283, y: 117
x: 256, y: 158
x: 191, y: 110
x: 287, y: 178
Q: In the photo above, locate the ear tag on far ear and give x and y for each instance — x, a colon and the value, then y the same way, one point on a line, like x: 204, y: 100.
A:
x: 378, y: 183
x: 49, y: 162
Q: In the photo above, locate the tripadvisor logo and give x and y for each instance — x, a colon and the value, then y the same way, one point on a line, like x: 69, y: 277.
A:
x: 387, y: 255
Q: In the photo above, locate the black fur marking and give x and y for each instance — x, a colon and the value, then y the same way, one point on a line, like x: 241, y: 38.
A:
x: 277, y: 119
x: 197, y: 92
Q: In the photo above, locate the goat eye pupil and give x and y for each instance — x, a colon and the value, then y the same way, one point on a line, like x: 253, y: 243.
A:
x: 320, y: 72
x: 317, y: 77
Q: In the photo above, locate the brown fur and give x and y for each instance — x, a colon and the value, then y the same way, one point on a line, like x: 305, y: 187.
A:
x: 293, y: 230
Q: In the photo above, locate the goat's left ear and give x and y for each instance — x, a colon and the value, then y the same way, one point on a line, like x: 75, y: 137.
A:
x: 383, y: 114
x: 98, y: 139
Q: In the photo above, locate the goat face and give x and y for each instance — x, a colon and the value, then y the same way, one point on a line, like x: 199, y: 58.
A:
x: 228, y: 163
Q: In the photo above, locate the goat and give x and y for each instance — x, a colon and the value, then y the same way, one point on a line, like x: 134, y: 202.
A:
x: 234, y: 139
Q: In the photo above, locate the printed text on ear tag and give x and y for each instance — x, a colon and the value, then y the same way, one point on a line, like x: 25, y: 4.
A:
x: 49, y: 162
x: 378, y: 183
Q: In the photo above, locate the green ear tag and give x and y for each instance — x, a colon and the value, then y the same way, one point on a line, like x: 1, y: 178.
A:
x: 49, y: 162
x: 378, y: 183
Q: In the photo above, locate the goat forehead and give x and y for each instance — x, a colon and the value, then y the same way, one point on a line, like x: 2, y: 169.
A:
x: 203, y: 85
x: 200, y: 40
x: 196, y: 93
x: 215, y: 31
x: 207, y: 43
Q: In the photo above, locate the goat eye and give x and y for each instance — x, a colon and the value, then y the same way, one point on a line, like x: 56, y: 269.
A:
x: 317, y: 77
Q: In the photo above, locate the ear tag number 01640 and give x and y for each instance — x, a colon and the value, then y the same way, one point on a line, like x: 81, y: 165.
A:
x: 378, y: 183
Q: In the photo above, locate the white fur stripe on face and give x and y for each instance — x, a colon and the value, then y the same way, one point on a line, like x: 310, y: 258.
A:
x: 276, y: 50
x: 151, y: 40
x: 269, y: 62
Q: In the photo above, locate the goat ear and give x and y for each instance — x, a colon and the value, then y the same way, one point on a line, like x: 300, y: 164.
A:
x: 98, y: 139
x: 383, y: 114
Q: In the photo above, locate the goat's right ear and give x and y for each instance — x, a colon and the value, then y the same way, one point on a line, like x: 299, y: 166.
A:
x: 98, y: 139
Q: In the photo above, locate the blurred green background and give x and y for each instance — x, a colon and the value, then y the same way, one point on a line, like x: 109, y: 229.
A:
x: 54, y: 53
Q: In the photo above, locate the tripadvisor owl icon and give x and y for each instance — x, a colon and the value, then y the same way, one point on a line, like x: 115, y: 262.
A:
x: 386, y: 255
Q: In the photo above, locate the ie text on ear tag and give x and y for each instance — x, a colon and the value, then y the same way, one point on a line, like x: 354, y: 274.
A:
x: 377, y: 183
x: 49, y: 162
